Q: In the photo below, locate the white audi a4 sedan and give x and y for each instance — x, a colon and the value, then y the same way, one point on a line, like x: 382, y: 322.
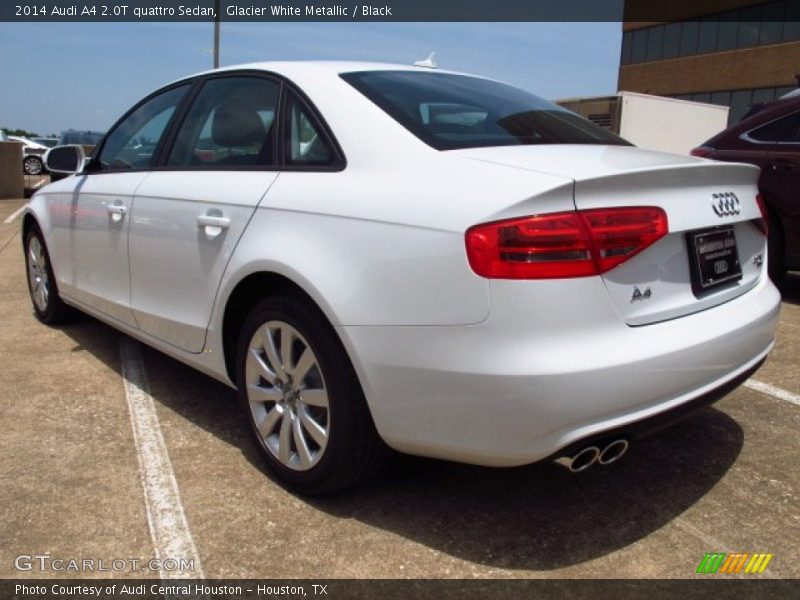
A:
x: 379, y: 256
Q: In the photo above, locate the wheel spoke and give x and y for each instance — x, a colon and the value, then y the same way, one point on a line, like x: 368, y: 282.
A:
x: 284, y: 438
x: 300, y: 443
x: 304, y: 365
x: 315, y: 398
x: 314, y: 429
x: 267, y: 425
x: 262, y: 367
x: 257, y: 393
x: 272, y: 354
x: 287, y: 337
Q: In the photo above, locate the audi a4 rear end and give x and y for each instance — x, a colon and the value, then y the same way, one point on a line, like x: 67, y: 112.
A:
x: 383, y: 256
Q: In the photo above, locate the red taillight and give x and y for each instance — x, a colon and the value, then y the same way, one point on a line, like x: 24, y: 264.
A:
x: 763, y: 222
x: 560, y: 245
x: 702, y: 151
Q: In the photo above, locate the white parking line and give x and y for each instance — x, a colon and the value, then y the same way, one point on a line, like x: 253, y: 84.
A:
x: 169, y: 529
x: 10, y: 218
x: 773, y: 391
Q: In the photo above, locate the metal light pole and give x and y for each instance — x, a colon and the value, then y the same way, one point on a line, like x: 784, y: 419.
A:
x: 216, y: 33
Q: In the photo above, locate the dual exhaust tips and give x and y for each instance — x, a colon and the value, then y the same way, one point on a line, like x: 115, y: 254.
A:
x: 592, y: 455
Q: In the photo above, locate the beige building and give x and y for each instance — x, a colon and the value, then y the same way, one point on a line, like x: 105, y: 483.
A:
x: 728, y: 52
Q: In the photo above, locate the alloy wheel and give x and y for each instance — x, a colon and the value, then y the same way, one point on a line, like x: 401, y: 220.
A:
x: 32, y: 166
x: 287, y: 395
x: 38, y: 278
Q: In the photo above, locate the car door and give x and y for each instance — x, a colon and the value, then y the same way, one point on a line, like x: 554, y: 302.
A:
x: 101, y: 204
x: 781, y: 181
x: 189, y: 214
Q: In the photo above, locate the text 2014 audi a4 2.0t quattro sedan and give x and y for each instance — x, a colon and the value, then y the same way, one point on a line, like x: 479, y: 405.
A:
x: 378, y: 255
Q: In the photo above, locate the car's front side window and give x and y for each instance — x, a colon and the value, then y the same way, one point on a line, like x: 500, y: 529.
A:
x: 230, y: 124
x: 133, y: 142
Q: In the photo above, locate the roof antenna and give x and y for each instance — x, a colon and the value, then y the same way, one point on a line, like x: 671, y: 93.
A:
x: 428, y: 63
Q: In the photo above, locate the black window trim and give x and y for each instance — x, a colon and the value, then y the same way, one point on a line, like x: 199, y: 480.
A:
x: 197, y: 82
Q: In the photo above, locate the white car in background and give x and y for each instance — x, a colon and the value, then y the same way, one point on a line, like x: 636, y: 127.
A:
x: 378, y: 255
x: 33, y: 155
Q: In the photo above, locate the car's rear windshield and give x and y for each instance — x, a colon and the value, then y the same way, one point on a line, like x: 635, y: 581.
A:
x: 450, y: 111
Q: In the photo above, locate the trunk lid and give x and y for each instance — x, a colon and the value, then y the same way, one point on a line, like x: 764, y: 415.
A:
x: 663, y: 281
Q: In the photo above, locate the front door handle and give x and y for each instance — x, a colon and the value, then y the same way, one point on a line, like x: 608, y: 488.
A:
x: 117, y: 210
x: 213, y: 223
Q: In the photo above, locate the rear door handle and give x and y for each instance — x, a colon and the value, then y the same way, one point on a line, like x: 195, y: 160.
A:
x: 783, y: 165
x: 213, y: 224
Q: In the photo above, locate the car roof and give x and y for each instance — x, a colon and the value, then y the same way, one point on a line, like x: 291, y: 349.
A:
x: 304, y: 68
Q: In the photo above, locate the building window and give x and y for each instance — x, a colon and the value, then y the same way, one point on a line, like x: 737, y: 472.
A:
x: 639, y: 52
x: 689, y: 32
x: 708, y: 36
x: 739, y: 101
x: 655, y: 43
x: 672, y: 40
x: 627, y: 41
x: 791, y: 26
x: 771, y: 28
x: 769, y: 23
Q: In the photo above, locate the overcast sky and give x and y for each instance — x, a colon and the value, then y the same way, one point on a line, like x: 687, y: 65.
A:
x: 56, y: 76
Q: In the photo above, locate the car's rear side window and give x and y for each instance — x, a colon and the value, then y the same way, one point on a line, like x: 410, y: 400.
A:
x: 784, y: 129
x: 305, y: 144
x: 450, y: 111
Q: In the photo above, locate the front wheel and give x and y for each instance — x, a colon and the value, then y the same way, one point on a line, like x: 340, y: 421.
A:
x: 303, y: 402
x: 42, y: 287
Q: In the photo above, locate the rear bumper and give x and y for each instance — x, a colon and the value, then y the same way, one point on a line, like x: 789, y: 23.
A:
x: 552, y: 366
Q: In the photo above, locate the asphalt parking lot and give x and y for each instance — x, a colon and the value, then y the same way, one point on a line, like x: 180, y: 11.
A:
x: 725, y: 480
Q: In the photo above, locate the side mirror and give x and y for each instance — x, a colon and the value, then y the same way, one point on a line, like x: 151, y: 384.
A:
x: 65, y: 159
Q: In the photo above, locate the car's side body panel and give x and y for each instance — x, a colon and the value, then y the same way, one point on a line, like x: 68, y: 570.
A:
x: 512, y: 390
x: 176, y: 261
x: 88, y: 236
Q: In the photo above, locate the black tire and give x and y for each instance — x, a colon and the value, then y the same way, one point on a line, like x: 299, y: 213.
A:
x: 32, y: 165
x: 354, y: 450
x: 776, y: 252
x: 53, y: 311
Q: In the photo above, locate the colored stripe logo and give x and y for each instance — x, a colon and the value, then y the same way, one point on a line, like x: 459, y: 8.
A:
x: 736, y: 562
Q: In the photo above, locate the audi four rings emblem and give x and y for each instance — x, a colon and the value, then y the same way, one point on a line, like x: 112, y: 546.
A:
x: 725, y: 204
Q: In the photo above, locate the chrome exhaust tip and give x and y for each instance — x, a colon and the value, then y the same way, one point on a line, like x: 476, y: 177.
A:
x: 581, y: 461
x: 613, y: 452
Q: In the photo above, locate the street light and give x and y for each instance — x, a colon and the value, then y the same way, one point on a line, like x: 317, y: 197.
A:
x: 216, y: 33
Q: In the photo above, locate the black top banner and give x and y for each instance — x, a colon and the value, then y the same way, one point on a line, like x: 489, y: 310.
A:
x: 359, y: 10
x: 311, y: 10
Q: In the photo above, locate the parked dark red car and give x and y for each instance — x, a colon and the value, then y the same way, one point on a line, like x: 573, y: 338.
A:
x: 770, y: 138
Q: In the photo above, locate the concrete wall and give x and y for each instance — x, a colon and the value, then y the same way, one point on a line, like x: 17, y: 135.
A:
x: 11, y: 176
x: 668, y: 124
